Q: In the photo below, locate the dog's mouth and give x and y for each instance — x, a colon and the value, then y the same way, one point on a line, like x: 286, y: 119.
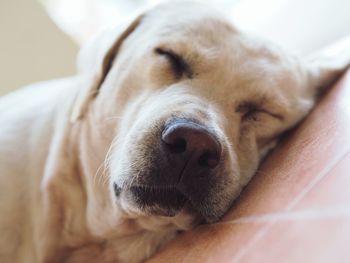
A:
x: 155, y: 200
x: 162, y: 201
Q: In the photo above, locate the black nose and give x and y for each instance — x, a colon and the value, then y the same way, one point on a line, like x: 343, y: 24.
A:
x: 191, y: 146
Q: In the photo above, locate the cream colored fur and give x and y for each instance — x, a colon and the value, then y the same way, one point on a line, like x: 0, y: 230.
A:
x: 64, y: 143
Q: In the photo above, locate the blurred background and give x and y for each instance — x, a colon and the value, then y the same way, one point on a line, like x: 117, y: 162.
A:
x: 40, y: 38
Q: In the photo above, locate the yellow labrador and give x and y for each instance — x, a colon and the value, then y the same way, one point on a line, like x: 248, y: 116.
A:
x: 163, y: 126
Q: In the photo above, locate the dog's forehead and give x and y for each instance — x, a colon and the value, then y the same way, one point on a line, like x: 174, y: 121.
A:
x: 212, y: 44
x: 193, y: 25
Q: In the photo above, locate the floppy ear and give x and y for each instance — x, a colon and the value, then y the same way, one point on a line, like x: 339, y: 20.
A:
x: 95, y: 60
x: 326, y: 66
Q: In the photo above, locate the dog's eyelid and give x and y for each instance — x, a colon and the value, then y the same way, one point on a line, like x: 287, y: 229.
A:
x: 249, y: 108
x: 179, y: 64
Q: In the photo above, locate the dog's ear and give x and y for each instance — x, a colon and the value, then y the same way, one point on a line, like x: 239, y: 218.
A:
x: 327, y: 65
x: 95, y: 60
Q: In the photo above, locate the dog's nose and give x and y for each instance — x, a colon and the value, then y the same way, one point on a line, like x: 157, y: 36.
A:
x: 191, y: 146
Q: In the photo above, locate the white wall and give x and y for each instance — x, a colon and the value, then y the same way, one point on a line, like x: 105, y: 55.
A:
x: 32, y: 48
x: 302, y: 26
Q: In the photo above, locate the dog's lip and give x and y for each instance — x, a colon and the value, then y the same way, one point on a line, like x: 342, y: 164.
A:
x: 158, y: 200
x: 157, y: 193
x: 179, y: 201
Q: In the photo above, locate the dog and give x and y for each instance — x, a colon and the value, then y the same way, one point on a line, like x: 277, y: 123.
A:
x: 166, y: 121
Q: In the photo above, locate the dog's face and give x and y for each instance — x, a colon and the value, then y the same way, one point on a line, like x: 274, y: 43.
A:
x: 196, y: 105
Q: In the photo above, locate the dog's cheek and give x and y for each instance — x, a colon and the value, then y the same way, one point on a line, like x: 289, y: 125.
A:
x: 247, y: 151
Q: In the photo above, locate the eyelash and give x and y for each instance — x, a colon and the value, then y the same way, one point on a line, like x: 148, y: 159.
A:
x: 179, y: 66
x: 252, y: 114
x: 249, y: 111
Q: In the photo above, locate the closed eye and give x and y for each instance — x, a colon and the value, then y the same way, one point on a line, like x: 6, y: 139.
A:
x: 252, y: 114
x: 179, y: 66
x: 251, y: 110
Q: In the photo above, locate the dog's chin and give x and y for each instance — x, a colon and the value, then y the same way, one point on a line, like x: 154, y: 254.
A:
x: 160, y: 207
x: 163, y: 201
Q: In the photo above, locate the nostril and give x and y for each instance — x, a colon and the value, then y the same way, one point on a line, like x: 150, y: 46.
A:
x: 194, y: 144
x: 178, y: 146
x: 209, y: 160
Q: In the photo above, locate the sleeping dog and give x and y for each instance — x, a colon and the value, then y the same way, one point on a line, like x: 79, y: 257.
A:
x: 165, y: 123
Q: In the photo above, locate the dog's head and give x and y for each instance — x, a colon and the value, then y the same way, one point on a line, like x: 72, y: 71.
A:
x: 189, y: 106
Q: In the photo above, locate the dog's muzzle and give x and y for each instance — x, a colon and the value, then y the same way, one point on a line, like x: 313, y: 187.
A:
x: 185, y: 163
